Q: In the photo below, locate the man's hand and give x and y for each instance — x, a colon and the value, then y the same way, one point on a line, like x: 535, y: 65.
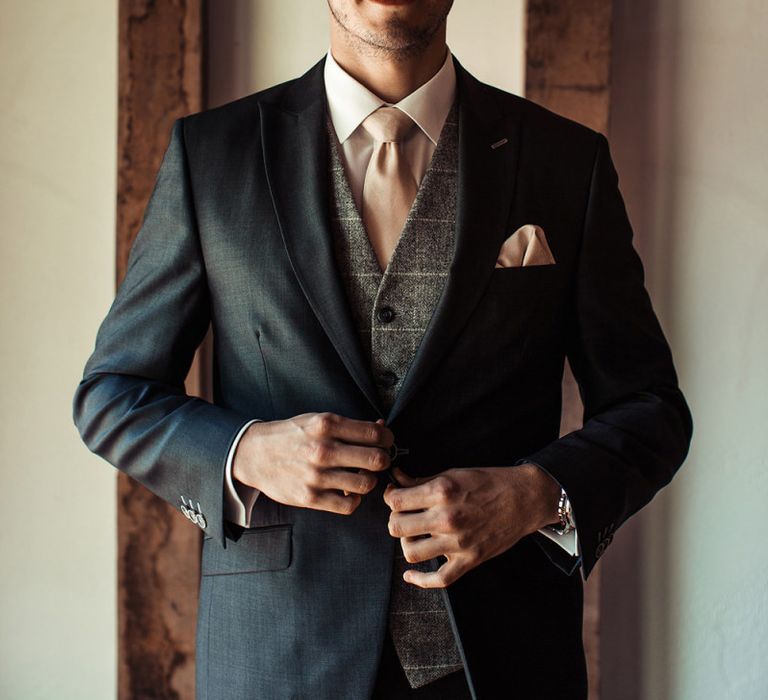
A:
x: 306, y: 460
x: 467, y: 515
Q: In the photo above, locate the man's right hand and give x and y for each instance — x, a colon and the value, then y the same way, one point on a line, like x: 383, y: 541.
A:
x: 312, y: 459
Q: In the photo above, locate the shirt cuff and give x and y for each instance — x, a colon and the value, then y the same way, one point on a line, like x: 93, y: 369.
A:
x: 238, y: 499
x: 569, y: 541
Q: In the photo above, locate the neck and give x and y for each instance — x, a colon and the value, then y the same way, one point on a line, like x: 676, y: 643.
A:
x: 390, y: 75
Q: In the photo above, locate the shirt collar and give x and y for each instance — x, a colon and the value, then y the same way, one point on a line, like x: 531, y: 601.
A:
x: 350, y: 102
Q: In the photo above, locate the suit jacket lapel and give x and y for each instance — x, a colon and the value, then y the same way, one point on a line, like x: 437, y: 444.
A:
x: 296, y: 162
x: 486, y: 181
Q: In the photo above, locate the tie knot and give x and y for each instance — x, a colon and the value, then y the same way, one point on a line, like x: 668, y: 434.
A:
x: 388, y: 124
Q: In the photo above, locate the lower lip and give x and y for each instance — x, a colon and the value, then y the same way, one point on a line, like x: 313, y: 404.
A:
x: 392, y: 2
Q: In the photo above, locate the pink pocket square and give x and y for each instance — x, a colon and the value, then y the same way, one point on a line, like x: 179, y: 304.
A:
x: 526, y: 246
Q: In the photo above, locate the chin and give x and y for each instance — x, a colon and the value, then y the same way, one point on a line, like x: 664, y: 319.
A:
x: 393, y: 3
x: 391, y: 25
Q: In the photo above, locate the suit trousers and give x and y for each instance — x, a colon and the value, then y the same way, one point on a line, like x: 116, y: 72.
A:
x: 391, y: 683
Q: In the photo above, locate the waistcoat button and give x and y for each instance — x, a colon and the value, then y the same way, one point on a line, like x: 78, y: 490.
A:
x: 387, y: 379
x: 385, y: 314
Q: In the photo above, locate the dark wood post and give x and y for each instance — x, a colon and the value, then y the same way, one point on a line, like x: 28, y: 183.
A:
x: 160, y: 78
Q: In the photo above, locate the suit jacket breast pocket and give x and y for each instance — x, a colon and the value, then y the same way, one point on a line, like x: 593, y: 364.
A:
x: 267, y: 548
x: 515, y: 295
x: 525, y: 272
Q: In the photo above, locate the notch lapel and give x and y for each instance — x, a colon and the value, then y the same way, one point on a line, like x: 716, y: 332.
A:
x: 296, y: 162
x: 485, y: 195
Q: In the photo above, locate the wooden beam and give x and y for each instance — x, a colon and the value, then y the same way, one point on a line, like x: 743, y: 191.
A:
x: 160, y: 78
x: 568, y: 60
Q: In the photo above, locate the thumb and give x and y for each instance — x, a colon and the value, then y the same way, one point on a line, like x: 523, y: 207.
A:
x: 407, y: 480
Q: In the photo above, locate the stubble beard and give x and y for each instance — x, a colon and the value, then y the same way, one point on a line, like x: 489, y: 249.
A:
x: 398, y: 41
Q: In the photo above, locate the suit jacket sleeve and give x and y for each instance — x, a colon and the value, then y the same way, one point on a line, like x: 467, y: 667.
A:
x: 131, y: 407
x: 637, y: 426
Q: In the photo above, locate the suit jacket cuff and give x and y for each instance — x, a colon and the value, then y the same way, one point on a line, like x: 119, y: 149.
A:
x: 569, y: 542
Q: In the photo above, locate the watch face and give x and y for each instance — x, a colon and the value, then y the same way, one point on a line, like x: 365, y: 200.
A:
x: 567, y: 514
x: 562, y: 513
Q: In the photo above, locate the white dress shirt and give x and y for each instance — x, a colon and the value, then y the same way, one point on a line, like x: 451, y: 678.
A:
x: 349, y: 103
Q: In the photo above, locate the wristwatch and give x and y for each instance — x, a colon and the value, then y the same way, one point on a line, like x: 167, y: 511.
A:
x: 564, y: 514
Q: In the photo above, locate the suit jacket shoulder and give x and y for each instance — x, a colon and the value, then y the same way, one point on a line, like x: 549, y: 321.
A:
x: 548, y: 141
x: 242, y: 115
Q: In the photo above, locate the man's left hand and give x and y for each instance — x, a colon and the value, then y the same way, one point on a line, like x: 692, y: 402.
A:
x: 467, y: 515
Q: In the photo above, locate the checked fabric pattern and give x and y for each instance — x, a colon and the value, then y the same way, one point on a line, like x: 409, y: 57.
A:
x: 410, y: 286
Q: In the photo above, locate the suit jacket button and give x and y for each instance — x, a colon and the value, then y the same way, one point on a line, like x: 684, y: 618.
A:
x: 387, y: 379
x: 395, y: 451
x: 385, y: 314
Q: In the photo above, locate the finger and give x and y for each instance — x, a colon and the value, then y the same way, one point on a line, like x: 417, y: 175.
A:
x: 416, y: 549
x: 406, y: 498
x: 335, y: 453
x: 411, y: 524
x: 342, y: 454
x: 334, y: 502
x: 441, y: 578
x: 407, y: 480
x: 402, y: 480
x: 351, y: 430
x: 359, y: 471
x: 436, y: 491
x: 360, y: 482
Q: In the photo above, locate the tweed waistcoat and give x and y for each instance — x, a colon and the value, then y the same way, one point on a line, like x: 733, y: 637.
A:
x: 391, y: 311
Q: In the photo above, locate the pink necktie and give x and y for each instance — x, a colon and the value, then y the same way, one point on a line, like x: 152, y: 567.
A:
x: 389, y: 187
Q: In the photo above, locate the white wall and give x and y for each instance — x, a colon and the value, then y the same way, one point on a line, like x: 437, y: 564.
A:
x: 257, y: 43
x: 58, y: 81
x: 690, y: 108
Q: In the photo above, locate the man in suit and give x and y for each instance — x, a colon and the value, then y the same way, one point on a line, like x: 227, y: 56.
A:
x: 395, y: 259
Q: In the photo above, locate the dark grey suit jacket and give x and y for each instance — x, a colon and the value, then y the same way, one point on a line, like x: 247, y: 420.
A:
x: 237, y: 235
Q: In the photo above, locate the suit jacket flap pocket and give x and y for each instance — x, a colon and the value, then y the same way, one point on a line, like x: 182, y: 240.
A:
x: 266, y: 548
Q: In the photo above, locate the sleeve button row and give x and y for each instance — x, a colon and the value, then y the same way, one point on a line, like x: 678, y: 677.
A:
x: 192, y: 513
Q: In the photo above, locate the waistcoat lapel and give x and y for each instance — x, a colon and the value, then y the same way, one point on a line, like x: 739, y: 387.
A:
x: 486, y: 181
x: 296, y: 164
